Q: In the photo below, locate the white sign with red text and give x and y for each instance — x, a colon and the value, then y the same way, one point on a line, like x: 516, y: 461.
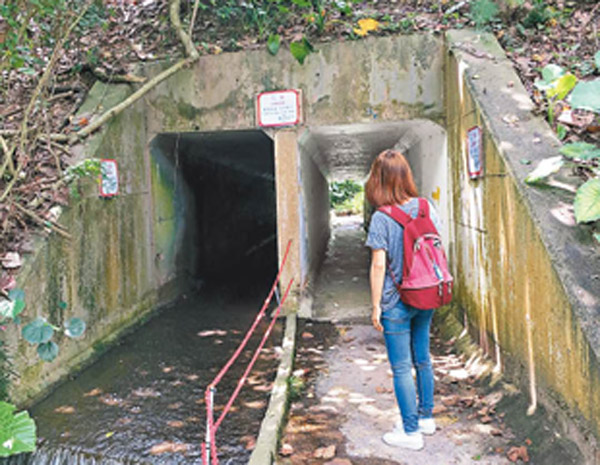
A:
x: 278, y: 108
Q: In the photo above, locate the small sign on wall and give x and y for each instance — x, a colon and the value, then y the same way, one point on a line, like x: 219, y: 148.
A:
x: 278, y: 108
x: 109, y: 178
x: 475, y: 152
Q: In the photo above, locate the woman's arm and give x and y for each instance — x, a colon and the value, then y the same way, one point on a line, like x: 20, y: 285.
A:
x: 377, y: 277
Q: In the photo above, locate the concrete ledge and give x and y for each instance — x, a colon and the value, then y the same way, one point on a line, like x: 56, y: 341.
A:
x: 266, y: 443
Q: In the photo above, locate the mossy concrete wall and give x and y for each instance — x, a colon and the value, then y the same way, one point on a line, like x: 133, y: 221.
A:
x: 106, y: 272
x: 524, y: 269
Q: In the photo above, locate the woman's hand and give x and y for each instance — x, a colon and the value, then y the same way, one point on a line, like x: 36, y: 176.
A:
x: 376, y: 318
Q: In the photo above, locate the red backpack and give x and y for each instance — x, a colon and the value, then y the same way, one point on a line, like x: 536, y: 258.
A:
x: 426, y: 281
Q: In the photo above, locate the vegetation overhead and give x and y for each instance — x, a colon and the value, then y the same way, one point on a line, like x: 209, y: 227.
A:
x: 52, y: 52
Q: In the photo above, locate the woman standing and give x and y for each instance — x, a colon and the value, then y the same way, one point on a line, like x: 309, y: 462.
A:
x: 405, y: 328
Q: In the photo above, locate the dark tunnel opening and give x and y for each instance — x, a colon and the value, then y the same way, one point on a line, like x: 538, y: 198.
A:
x: 228, y: 207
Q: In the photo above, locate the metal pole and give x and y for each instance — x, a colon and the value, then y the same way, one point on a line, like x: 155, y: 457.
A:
x: 209, y: 423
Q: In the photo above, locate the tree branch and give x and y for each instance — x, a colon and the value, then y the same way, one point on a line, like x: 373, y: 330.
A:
x: 36, y: 93
x: 192, y: 54
x: 47, y: 223
x: 86, y: 131
x: 188, y: 45
x: 191, y: 29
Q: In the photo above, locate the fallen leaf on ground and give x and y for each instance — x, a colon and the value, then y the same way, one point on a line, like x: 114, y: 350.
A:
x: 286, y: 450
x: 325, y: 452
x: 518, y: 453
x: 169, y: 446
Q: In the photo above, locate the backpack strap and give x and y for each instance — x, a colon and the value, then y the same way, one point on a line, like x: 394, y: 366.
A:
x: 396, y: 214
x: 423, y: 207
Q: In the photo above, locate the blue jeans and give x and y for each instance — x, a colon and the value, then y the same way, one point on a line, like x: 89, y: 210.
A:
x: 406, y: 332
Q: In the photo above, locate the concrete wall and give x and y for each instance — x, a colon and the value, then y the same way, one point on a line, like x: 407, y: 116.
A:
x: 106, y: 274
x: 315, y: 208
x: 524, y: 269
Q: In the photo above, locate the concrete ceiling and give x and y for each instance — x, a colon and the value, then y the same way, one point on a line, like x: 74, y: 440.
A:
x: 346, y: 151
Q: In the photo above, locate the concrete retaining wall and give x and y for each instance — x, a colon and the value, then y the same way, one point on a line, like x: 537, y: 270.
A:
x: 524, y: 269
x: 106, y: 274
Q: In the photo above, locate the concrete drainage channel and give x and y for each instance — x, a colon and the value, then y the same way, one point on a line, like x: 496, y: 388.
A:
x: 191, y: 150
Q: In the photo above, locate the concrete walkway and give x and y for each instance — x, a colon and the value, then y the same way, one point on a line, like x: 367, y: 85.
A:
x: 342, y: 291
x: 348, y: 401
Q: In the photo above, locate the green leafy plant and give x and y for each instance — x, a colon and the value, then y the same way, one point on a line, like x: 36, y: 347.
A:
x: 587, y: 197
x: 346, y: 197
x: 586, y: 96
x: 483, y: 12
x: 39, y: 331
x: 273, y: 43
x: 296, y: 386
x: 556, y: 85
x: 17, y: 431
x: 300, y: 50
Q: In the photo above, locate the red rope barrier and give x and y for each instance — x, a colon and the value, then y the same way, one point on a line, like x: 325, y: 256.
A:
x: 211, y: 425
x: 254, y: 358
x: 224, y: 370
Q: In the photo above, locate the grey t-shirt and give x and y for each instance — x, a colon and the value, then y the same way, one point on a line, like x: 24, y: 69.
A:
x: 385, y: 233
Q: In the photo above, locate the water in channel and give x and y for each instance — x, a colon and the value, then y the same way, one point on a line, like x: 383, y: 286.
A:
x: 143, y: 401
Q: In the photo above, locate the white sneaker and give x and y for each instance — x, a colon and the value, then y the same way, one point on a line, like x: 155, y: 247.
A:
x: 427, y: 426
x: 396, y: 438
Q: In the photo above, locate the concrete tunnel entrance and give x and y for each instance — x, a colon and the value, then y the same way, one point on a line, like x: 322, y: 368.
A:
x: 222, y: 214
x: 226, y: 203
x: 337, y: 153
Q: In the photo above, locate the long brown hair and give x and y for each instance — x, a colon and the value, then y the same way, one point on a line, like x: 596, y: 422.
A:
x: 390, y: 180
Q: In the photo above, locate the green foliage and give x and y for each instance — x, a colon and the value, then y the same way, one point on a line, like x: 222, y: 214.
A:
x: 74, y: 327
x: 17, y: 431
x: 38, y: 331
x: 342, y: 191
x: 586, y: 96
x: 273, y: 43
x: 580, y: 150
x: 346, y: 197
x: 538, y: 15
x: 296, y: 386
x: 587, y: 202
x: 483, y: 12
x: 597, y: 59
x: 23, y: 50
x: 300, y: 50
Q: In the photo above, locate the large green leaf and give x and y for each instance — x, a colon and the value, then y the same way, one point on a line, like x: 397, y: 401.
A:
x: 300, y: 50
x: 18, y: 307
x: 273, y: 43
x: 17, y: 432
x: 586, y: 96
x: 561, y: 87
x: 550, y: 73
x: 545, y: 168
x: 74, y: 327
x: 38, y: 331
x: 580, y: 150
x: 587, y: 202
x: 47, y: 351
